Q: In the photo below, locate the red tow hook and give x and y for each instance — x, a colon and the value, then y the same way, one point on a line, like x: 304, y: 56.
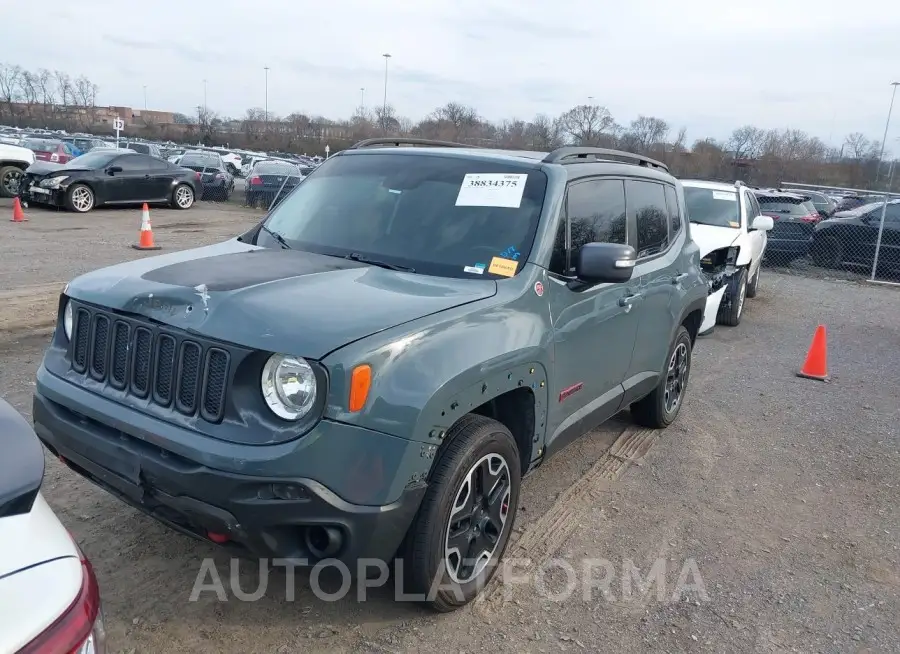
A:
x: 217, y: 538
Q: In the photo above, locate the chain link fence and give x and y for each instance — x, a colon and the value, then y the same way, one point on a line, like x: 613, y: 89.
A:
x: 832, y: 231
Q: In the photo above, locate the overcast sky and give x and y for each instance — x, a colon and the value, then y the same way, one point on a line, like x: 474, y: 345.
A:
x: 823, y: 66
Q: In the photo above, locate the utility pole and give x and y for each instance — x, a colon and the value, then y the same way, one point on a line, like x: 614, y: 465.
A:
x: 266, y: 68
x: 386, y: 56
x: 362, y: 99
x: 886, y: 127
x: 145, y: 97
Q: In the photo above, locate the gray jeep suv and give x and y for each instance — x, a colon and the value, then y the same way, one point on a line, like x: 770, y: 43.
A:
x: 368, y: 373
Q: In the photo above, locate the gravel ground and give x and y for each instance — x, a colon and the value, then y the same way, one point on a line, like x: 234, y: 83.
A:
x: 783, y: 491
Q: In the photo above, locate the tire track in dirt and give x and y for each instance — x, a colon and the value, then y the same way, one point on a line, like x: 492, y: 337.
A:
x: 543, y: 538
x: 29, y: 309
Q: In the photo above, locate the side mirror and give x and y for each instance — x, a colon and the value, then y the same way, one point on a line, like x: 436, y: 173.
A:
x: 763, y: 223
x: 609, y: 263
x: 112, y: 170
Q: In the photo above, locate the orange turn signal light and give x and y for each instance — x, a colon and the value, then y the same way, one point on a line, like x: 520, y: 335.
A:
x: 360, y: 381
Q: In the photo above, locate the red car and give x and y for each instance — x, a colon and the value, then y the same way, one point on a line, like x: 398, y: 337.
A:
x: 50, y: 150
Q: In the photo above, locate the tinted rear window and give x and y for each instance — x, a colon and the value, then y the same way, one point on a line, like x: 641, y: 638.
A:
x: 790, y: 206
x: 269, y: 168
x: 41, y: 145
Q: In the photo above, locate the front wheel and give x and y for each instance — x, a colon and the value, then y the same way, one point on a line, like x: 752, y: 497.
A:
x: 659, y: 409
x: 80, y: 198
x: 11, y: 178
x: 753, y: 285
x: 462, y: 527
x: 737, y: 293
x: 183, y: 197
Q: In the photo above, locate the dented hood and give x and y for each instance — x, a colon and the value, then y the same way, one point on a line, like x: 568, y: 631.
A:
x: 711, y: 237
x: 277, y: 300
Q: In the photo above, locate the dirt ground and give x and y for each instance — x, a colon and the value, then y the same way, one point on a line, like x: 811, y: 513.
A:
x: 783, y: 492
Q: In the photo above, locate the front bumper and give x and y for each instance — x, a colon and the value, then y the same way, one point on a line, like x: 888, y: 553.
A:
x: 36, y: 195
x: 713, y: 302
x: 256, y: 514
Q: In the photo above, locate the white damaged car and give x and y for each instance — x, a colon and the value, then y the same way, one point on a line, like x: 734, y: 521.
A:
x: 727, y: 225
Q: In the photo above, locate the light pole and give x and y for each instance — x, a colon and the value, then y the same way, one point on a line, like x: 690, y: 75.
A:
x: 386, y: 56
x: 266, y: 68
x: 362, y: 99
x: 145, y: 97
x: 204, y: 96
x: 886, y: 126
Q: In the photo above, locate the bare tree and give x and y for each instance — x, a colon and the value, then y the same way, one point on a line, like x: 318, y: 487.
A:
x: 857, y: 145
x: 386, y: 119
x: 746, y: 142
x: 543, y: 133
x: 455, y: 121
x: 646, y: 131
x: 63, y: 87
x: 586, y: 123
x: 9, y: 89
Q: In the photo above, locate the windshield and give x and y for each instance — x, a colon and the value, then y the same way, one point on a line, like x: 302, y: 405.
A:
x: 441, y: 215
x: 94, y: 159
x: 708, y: 206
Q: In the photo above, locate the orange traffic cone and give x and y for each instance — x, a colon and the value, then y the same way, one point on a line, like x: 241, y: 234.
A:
x: 146, y: 242
x: 816, y: 364
x: 18, y: 214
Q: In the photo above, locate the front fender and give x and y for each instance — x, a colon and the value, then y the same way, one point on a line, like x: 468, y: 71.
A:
x: 427, y: 374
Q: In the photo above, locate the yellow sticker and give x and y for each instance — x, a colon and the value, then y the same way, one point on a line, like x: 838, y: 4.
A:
x: 734, y: 224
x: 501, y: 266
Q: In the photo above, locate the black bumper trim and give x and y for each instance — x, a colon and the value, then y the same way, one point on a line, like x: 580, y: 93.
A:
x: 195, y: 499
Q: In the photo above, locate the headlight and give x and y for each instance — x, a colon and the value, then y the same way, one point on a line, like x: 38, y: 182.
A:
x: 289, y: 386
x: 54, y: 182
x: 67, y: 320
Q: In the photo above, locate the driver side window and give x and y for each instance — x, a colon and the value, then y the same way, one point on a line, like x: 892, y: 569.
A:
x: 594, y: 213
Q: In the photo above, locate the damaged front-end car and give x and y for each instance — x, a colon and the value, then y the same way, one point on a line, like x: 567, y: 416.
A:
x: 721, y: 270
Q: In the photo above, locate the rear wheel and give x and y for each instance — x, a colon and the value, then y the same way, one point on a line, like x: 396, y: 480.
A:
x: 183, y: 197
x: 659, y: 409
x: 827, y: 252
x: 10, y: 180
x: 80, y: 198
x: 462, y: 527
x: 737, y: 293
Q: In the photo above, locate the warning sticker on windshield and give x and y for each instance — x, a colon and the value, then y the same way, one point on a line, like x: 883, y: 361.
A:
x: 725, y: 195
x: 492, y: 190
x: 732, y: 223
x: 504, y: 267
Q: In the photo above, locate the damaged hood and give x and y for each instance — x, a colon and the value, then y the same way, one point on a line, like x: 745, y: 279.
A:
x: 711, y: 237
x: 276, y: 300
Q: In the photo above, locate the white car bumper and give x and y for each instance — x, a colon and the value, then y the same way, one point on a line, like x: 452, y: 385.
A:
x: 712, y: 310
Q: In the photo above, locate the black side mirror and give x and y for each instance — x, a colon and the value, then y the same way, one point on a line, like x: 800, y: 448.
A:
x: 605, y: 263
x: 112, y: 170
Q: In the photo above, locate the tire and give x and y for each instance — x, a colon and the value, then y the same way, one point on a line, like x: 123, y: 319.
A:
x: 737, y: 292
x: 658, y: 410
x: 474, y: 443
x: 80, y: 198
x: 182, y: 197
x: 753, y: 286
x: 827, y: 252
x: 10, y: 179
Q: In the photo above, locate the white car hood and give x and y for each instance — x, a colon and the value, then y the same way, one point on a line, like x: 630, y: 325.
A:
x: 710, y: 237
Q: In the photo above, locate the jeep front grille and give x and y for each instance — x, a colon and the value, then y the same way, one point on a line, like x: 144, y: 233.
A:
x: 147, y: 361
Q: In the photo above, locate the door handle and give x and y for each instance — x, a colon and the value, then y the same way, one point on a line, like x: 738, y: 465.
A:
x: 629, y: 300
x: 677, y: 279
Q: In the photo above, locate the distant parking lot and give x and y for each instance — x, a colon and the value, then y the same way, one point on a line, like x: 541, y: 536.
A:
x: 783, y: 491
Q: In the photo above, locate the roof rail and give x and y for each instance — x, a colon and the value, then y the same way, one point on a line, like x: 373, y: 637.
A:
x: 579, y: 154
x: 398, y: 141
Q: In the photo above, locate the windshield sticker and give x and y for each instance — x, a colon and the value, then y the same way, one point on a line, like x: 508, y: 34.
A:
x: 393, y: 190
x: 732, y: 223
x: 477, y: 269
x: 511, y: 253
x: 492, y: 190
x: 504, y: 267
x: 725, y: 195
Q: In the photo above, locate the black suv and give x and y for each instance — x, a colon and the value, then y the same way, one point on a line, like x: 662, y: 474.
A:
x: 370, y: 371
x: 795, y: 218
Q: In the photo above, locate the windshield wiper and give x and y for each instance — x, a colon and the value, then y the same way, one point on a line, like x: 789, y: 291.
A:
x: 278, y: 237
x: 356, y: 256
